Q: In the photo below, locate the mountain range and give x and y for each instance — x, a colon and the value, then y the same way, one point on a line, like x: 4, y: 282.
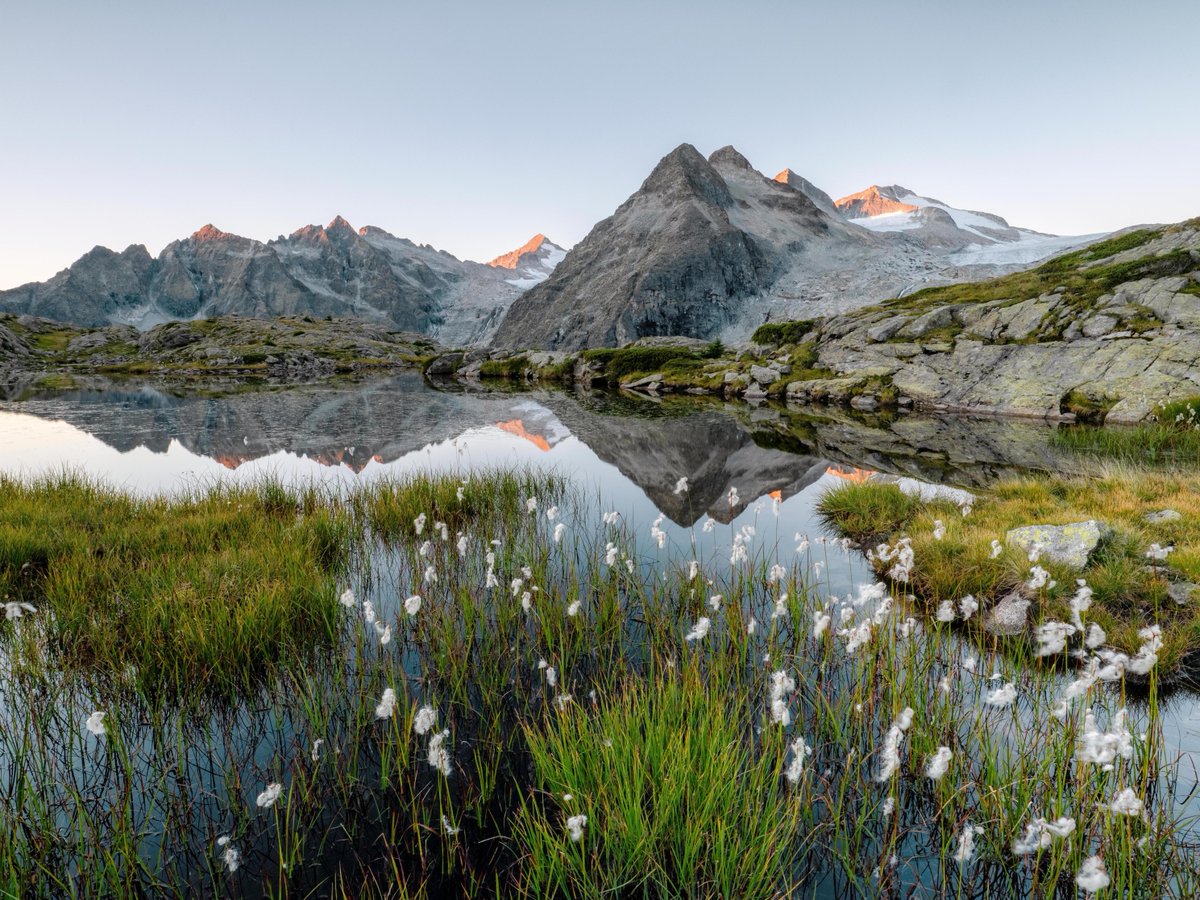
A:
x: 705, y: 248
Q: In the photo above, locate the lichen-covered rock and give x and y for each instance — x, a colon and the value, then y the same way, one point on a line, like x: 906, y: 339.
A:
x: 1070, y: 544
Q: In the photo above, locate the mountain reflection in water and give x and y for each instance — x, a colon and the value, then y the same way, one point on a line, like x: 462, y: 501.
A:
x: 150, y: 439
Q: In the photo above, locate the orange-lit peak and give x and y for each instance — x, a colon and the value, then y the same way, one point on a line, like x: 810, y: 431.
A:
x: 871, y: 202
x: 776, y: 495
x: 211, y: 232
x: 784, y: 177
x: 517, y: 427
x: 510, y: 260
x: 339, y: 223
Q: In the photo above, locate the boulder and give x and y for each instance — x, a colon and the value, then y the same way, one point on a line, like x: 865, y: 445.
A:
x: 446, y: 364
x: 1181, y: 592
x: 1009, y: 616
x: 763, y: 374
x: 1162, y: 516
x: 1070, y: 544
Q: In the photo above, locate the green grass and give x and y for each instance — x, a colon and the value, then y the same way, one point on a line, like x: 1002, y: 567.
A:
x: 217, y: 589
x: 680, y: 799
x: 511, y: 367
x: 1172, y: 437
x: 621, y: 363
x: 1129, y: 594
x: 776, y: 333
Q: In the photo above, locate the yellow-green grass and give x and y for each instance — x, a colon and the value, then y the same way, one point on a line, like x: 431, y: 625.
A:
x: 1130, y: 591
x: 213, y: 589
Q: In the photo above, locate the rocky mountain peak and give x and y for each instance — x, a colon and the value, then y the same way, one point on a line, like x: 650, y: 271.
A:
x: 340, y: 224
x: 798, y: 182
x: 729, y: 156
x: 511, y: 259
x: 684, y: 171
x: 211, y: 232
x: 874, y: 201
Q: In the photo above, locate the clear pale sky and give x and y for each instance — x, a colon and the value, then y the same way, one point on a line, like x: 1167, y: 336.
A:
x: 471, y: 126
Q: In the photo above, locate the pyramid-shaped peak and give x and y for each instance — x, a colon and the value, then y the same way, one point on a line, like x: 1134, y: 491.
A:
x: 729, y: 156
x: 211, y: 232
x: 512, y: 259
x: 339, y: 224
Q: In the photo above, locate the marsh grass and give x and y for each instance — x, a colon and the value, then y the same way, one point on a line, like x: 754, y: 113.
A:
x: 692, y: 799
x: 1131, y: 591
x: 214, y: 589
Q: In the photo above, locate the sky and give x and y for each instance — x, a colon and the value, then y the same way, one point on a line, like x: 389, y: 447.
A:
x: 472, y: 126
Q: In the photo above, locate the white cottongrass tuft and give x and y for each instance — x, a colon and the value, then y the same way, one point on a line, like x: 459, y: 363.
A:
x: 450, y: 829
x: 965, y: 850
x: 610, y: 554
x: 95, y: 724
x: 889, y: 756
x: 1052, y: 637
x: 1002, y: 696
x: 573, y: 608
x: 800, y: 752
x: 968, y: 606
x: 782, y: 686
x: 315, y: 754
x: 230, y: 856
x: 945, y: 611
x: 939, y: 530
x: 531, y: 505
x: 412, y: 605
x: 419, y: 524
x: 347, y: 598
x: 1102, y: 748
x: 1092, y: 875
x: 1127, y: 803
x: 1039, y: 833
x: 387, y: 704
x: 575, y: 826
x: 267, y: 798
x: 1158, y: 552
x: 700, y: 630
x: 439, y: 756
x: 551, y: 513
x: 1039, y: 578
x: 425, y: 719
x: 997, y: 549
x: 559, y: 530
x: 939, y: 763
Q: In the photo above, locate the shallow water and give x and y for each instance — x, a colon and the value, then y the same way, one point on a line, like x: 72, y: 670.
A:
x: 624, y: 451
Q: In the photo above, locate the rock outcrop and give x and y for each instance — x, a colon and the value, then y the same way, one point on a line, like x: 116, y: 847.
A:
x: 1114, y: 329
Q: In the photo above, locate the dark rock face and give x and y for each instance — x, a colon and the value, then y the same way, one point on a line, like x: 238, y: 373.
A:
x: 335, y: 270
x: 671, y: 260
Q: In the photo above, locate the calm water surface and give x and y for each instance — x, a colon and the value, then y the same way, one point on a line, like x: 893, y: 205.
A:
x: 626, y: 452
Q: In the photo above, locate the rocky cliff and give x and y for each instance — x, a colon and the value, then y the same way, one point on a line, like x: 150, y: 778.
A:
x: 1108, y: 331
